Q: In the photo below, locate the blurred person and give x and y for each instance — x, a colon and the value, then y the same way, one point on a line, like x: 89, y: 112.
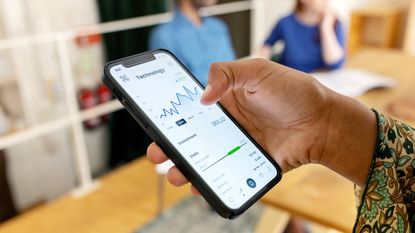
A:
x: 197, y: 41
x: 298, y: 121
x: 313, y: 38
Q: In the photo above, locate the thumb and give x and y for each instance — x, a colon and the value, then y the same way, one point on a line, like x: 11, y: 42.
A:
x: 225, y: 76
x: 221, y: 79
x: 218, y: 83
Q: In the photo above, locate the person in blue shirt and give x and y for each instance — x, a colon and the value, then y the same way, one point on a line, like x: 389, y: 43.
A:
x: 197, y: 41
x: 313, y: 38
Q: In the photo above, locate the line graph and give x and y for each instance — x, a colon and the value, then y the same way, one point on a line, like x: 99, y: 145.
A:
x: 180, y: 100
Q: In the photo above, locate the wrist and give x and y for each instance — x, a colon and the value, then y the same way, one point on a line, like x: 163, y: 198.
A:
x: 350, y: 140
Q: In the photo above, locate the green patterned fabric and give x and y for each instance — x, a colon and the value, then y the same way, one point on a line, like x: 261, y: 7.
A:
x: 387, y: 204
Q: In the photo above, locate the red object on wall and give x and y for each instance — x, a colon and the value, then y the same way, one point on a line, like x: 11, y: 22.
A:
x: 88, y: 99
x: 104, y: 95
x: 84, y: 41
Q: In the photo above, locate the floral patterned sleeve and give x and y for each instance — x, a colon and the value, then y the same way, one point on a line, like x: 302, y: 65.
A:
x: 387, y: 204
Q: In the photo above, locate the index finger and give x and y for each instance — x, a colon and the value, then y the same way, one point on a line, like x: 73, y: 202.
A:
x: 155, y: 154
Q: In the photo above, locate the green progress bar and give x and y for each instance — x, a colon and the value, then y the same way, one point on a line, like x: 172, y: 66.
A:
x: 229, y: 153
x: 234, y: 150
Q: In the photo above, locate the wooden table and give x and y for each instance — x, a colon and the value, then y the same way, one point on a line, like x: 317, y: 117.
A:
x: 393, y: 64
x: 317, y: 193
x: 124, y: 202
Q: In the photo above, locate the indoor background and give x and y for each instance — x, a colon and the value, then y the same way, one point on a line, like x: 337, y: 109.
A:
x: 66, y: 144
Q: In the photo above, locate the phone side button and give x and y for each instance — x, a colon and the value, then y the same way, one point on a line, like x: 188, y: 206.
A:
x: 135, y: 116
x: 116, y: 94
x: 142, y: 124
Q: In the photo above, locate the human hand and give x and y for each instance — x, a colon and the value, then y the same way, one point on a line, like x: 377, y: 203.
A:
x: 265, y: 52
x: 291, y: 115
x: 328, y: 19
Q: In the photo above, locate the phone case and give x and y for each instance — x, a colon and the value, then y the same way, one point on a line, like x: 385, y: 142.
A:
x: 169, y: 149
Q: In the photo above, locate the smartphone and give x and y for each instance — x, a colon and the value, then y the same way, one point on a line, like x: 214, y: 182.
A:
x: 228, y: 168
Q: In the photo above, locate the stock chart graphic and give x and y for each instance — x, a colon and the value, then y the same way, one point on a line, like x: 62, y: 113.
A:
x: 180, y: 101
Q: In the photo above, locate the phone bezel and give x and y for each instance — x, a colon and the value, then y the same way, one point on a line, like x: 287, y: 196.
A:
x: 158, y: 136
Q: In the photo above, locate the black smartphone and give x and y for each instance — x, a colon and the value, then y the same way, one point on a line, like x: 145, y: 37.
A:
x: 207, y: 145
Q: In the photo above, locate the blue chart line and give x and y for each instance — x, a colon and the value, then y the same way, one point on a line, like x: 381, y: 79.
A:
x: 180, y: 97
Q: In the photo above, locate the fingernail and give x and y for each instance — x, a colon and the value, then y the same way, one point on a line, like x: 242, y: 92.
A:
x: 206, y: 92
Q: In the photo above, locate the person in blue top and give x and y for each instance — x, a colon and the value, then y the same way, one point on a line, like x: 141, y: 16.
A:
x: 313, y: 38
x: 197, y: 41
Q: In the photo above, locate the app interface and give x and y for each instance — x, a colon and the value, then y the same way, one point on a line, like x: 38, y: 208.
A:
x: 209, y: 141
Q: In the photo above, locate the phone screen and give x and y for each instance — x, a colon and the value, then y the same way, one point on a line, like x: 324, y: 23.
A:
x: 214, y: 146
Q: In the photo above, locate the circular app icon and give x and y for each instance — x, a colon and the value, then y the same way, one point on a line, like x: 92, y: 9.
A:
x: 251, y: 183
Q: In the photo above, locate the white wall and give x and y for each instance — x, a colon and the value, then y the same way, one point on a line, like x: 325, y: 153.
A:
x: 43, y: 168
